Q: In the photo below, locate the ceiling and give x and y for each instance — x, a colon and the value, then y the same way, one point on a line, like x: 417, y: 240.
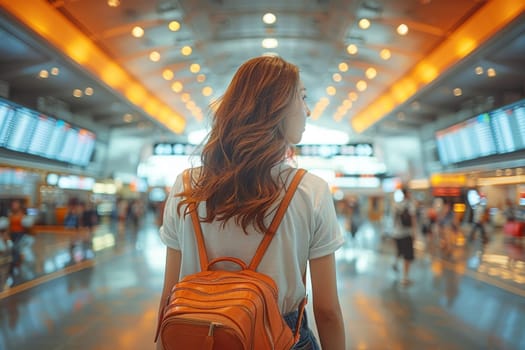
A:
x: 314, y: 34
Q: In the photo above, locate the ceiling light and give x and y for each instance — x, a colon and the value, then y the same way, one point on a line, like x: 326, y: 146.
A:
x: 364, y: 23
x: 371, y: 73
x: 361, y: 85
x: 336, y: 77
x: 174, y: 26
x: 457, y: 92
x: 88, y: 91
x: 177, y: 86
x: 77, y: 93
x: 491, y: 72
x: 385, y: 54
x: 351, y: 49
x: 128, y: 118
x: 269, y: 18
x: 343, y: 67
x: 113, y: 3
x: 137, y: 32
x: 55, y: 71
x: 331, y: 91
x: 154, y: 56
x: 185, y: 97
x: 190, y: 105
x: 195, y: 67
x: 207, y: 91
x: 478, y: 70
x: 347, y: 103
x: 402, y: 29
x: 352, y: 96
x: 270, y: 43
x: 43, y: 74
x: 167, y: 74
x: 201, y: 78
x: 186, y: 50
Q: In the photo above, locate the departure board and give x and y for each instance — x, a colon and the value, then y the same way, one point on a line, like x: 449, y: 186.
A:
x: 509, y: 128
x: 27, y: 131
x: 39, y: 142
x: 20, y: 130
x: 7, y: 113
x: 497, y: 132
x: 70, y: 143
x: 467, y: 140
x: 56, y: 140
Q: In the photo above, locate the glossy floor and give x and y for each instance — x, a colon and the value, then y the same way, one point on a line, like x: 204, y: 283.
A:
x: 103, y: 293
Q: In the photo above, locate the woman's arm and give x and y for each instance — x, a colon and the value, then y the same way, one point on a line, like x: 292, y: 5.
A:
x: 171, y: 276
x: 328, y: 315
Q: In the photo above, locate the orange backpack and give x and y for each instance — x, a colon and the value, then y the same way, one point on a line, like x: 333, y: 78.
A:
x: 230, y: 310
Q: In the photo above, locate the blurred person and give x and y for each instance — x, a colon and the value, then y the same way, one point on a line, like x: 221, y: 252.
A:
x: 479, y: 220
x: 509, y: 210
x: 404, y: 233
x: 88, y: 218
x: 243, y: 175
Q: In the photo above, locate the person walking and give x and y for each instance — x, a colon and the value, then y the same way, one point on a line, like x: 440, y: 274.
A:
x: 478, y: 222
x: 242, y: 179
x: 404, y: 234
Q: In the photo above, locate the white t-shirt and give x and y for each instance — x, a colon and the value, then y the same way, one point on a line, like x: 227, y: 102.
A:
x: 309, y: 230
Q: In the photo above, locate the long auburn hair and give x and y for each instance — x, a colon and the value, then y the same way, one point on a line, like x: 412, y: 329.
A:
x: 246, y: 141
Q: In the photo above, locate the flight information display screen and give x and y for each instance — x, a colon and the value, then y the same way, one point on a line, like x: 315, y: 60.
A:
x: 25, y: 130
x: 497, y: 132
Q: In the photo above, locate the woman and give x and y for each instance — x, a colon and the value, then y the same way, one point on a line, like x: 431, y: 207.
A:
x: 242, y: 177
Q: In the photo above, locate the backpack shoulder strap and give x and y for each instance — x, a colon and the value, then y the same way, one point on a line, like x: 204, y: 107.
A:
x: 203, y: 256
x: 268, y: 236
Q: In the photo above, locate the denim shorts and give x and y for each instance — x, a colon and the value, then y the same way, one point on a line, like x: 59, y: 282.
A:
x: 307, y: 340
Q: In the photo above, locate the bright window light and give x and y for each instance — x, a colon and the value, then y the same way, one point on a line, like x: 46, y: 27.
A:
x: 317, y: 135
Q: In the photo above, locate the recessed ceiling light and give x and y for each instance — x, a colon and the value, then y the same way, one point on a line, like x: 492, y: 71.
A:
x: 361, y: 85
x: 186, y: 50
x: 351, y: 49
x: 491, y: 72
x: 77, y: 93
x: 167, y: 74
x: 331, y: 91
x: 201, y: 78
x: 364, y: 23
x: 174, y: 26
x: 207, y: 91
x: 478, y: 70
x: 88, y: 91
x: 352, y: 96
x: 336, y: 77
x: 43, y: 74
x: 402, y: 29
x: 185, y: 97
x: 371, y: 73
x: 195, y: 67
x: 343, y: 67
x: 457, y: 92
x: 137, y: 32
x: 269, y: 18
x: 55, y: 71
x: 128, y: 118
x: 385, y: 54
x: 154, y: 56
x: 177, y: 86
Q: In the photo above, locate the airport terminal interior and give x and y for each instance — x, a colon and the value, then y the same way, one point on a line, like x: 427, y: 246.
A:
x: 103, y: 103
